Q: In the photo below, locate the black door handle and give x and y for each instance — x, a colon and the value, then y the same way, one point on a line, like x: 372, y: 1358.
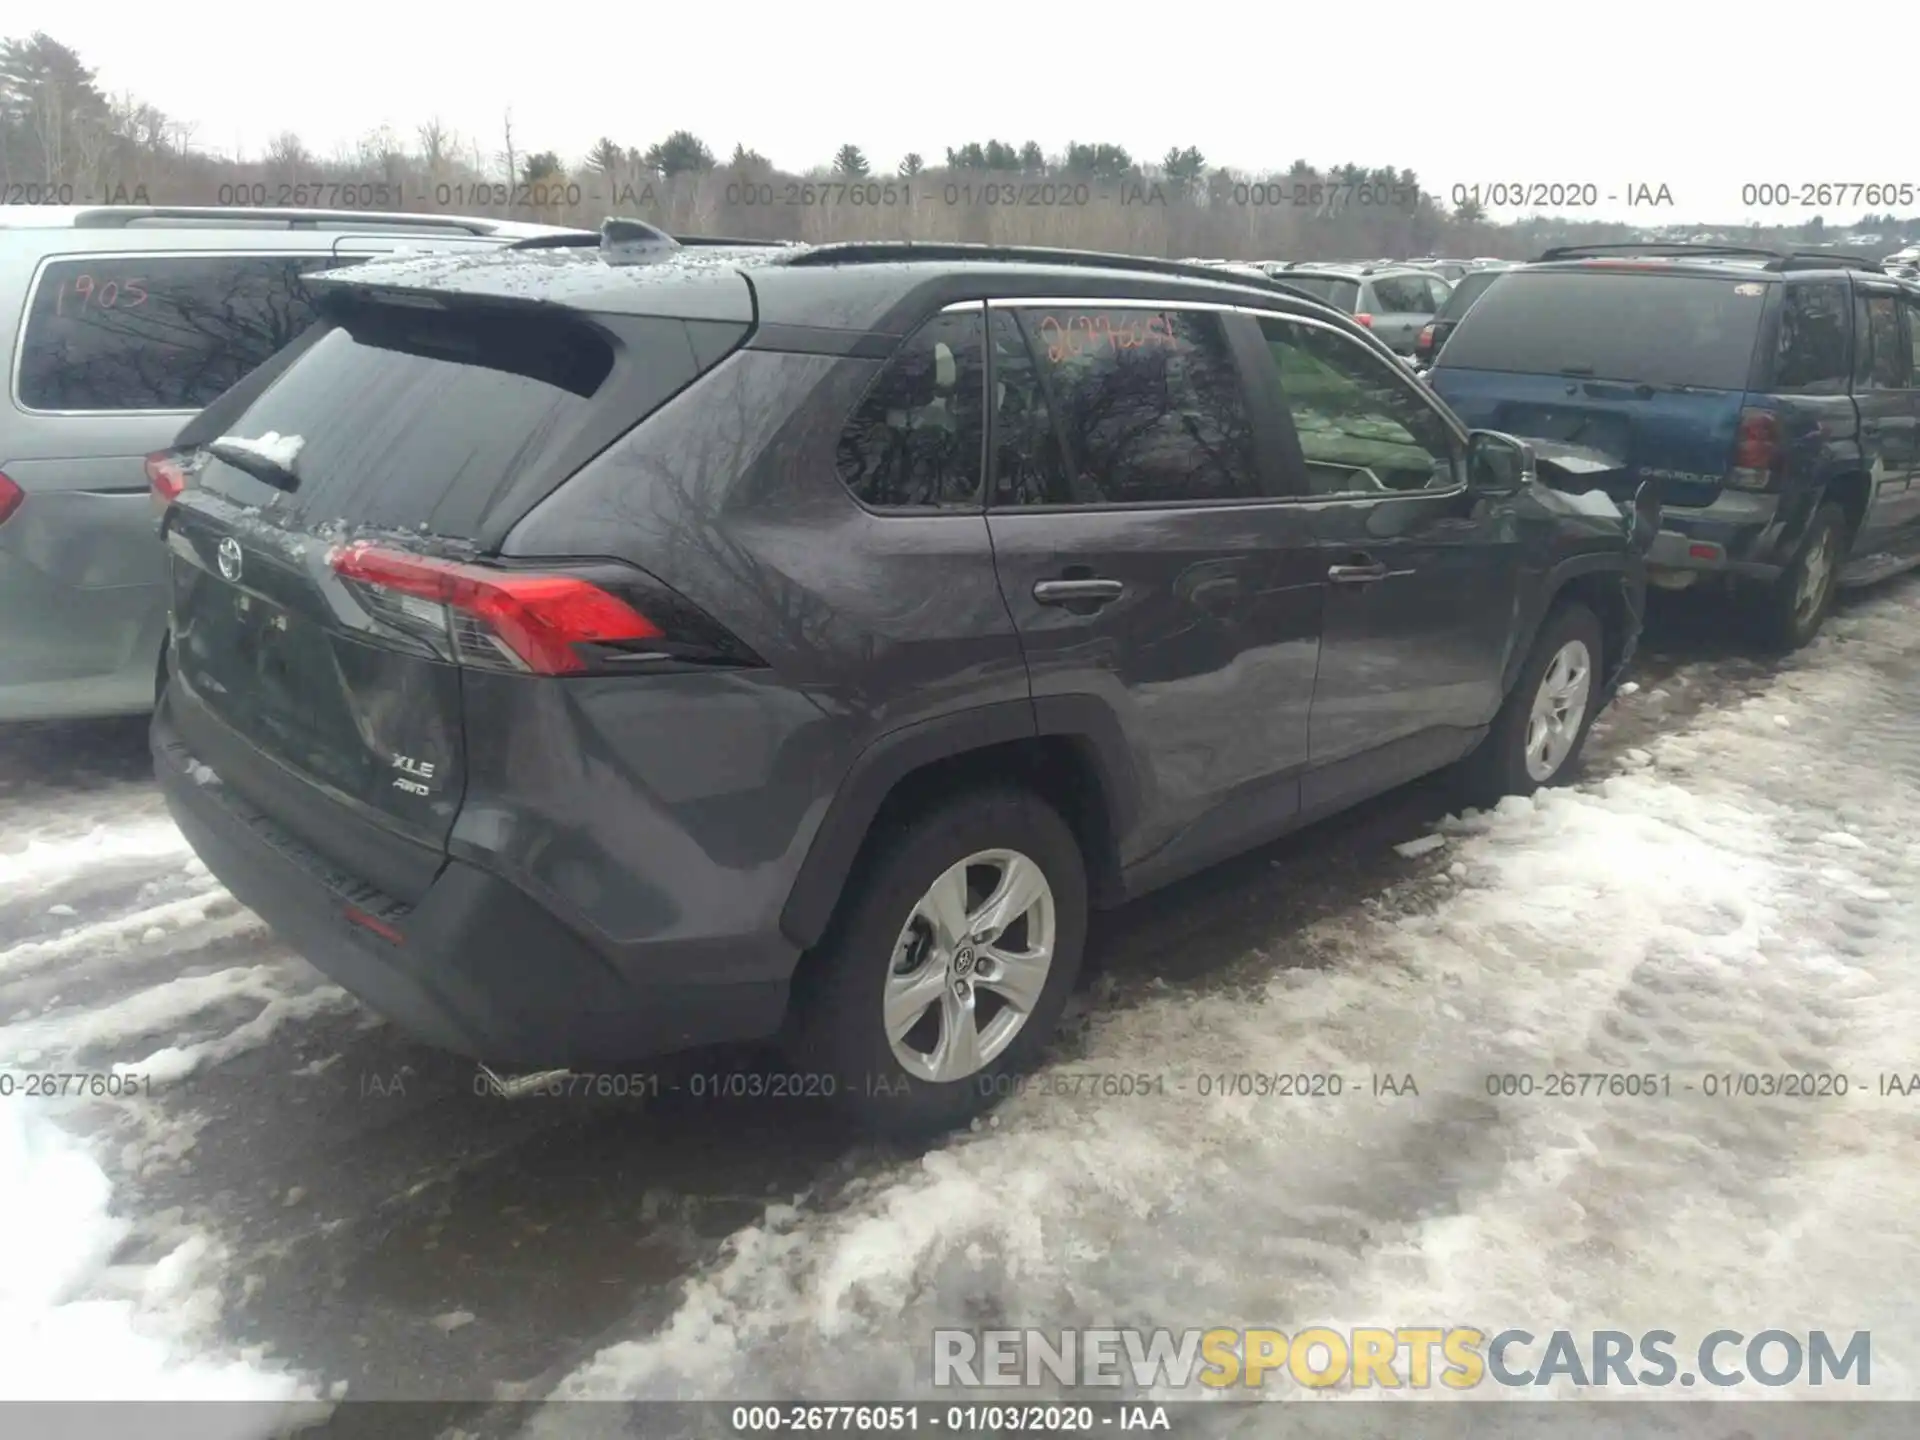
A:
x: 1071, y: 592
x: 1363, y: 574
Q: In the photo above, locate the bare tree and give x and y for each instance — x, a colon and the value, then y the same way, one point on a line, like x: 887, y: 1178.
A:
x: 436, y: 147
x: 510, y: 155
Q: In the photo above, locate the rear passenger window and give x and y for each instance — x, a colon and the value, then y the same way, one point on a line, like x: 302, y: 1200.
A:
x: 1362, y: 429
x: 1885, y: 353
x: 1813, y: 339
x: 1401, y: 294
x: 917, y: 438
x: 1913, y: 336
x: 113, y: 332
x: 1146, y: 408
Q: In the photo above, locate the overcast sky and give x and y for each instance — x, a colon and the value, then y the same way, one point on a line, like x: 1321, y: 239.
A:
x: 1701, y: 97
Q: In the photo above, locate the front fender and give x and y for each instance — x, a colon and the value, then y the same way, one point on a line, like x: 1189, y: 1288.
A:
x: 1620, y: 574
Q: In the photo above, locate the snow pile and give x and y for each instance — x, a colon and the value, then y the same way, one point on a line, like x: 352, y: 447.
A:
x: 273, y: 447
x: 72, y: 1326
x: 45, y: 862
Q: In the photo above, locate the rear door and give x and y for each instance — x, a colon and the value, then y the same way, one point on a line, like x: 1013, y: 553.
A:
x: 1422, y: 579
x: 321, y: 616
x: 1151, y: 561
x: 117, y: 351
x: 1883, y: 389
x: 1648, y: 366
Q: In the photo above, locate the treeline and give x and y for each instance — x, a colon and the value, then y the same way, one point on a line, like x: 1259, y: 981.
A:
x: 62, y: 140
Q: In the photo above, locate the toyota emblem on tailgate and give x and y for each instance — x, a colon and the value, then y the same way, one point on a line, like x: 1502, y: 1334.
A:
x: 229, y: 557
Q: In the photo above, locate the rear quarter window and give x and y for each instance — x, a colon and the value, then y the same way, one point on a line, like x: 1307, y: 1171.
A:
x: 1814, y: 354
x: 1636, y: 327
x: 1341, y: 294
x: 111, y: 333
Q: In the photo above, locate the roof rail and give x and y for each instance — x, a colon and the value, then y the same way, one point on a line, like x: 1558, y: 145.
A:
x: 111, y: 217
x: 882, y: 252
x: 563, y: 240
x: 1678, y: 248
x: 1826, y: 260
x: 566, y: 239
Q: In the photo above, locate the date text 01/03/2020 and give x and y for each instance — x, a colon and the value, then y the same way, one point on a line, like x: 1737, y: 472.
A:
x: 1559, y: 194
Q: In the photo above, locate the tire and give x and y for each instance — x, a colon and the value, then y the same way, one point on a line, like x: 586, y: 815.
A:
x: 884, y: 935
x: 1789, y: 611
x: 1506, y: 763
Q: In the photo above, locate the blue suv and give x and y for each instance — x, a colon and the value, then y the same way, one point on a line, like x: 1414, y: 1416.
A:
x: 1775, y: 397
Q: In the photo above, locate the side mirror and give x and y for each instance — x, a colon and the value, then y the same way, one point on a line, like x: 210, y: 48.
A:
x: 1498, y: 464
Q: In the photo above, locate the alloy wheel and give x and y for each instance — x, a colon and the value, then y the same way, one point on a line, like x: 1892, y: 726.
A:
x: 970, y: 965
x: 1559, y: 710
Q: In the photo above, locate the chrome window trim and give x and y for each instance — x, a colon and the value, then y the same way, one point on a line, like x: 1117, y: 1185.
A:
x: 33, y: 292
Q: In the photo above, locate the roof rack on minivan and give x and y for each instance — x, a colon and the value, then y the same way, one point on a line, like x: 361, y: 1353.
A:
x: 1680, y: 250
x: 111, y: 217
x: 886, y: 252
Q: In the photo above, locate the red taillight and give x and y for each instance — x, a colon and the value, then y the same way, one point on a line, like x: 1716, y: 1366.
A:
x: 10, y: 497
x: 374, y: 925
x: 532, y: 621
x: 1756, y: 450
x: 1426, y: 337
x: 166, y: 477
x: 1758, y: 443
x: 1364, y: 319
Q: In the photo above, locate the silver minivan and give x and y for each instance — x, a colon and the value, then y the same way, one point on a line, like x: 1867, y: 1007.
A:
x: 121, y: 323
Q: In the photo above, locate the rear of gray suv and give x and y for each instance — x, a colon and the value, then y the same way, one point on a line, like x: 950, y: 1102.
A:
x: 121, y: 323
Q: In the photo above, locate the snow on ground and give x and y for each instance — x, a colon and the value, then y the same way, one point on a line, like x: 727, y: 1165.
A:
x: 1738, y: 897
x: 96, y: 1303
x: 75, y: 1325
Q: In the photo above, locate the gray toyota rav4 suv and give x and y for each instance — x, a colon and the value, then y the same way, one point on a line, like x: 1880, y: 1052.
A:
x: 583, y: 653
x: 120, y: 322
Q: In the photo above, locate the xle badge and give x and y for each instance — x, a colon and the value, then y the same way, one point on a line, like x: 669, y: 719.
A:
x: 414, y: 774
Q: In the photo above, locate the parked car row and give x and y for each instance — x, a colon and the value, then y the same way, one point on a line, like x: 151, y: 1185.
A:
x: 1774, y: 396
x: 585, y: 645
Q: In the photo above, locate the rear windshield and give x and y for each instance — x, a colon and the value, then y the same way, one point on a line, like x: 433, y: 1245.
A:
x: 1341, y: 294
x: 1470, y: 289
x: 409, y: 419
x: 1639, y: 327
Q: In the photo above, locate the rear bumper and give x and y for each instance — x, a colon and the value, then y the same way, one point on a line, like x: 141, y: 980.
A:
x: 481, y: 968
x: 1738, y: 534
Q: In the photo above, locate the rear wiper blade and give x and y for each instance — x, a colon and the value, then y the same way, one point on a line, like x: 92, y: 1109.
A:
x: 268, y: 459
